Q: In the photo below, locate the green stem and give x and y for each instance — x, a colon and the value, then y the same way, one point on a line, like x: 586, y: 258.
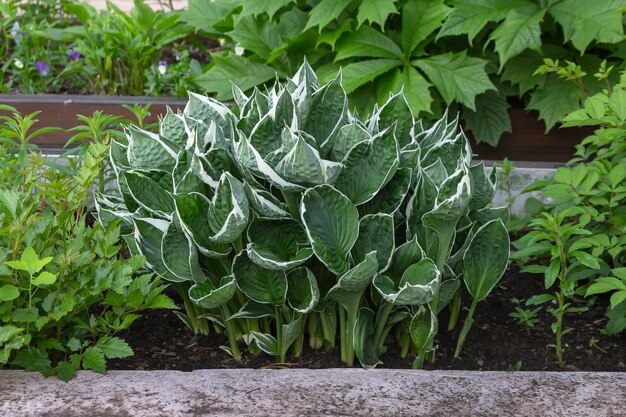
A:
x: 279, y: 332
x: 466, y: 328
x: 231, y: 333
x: 559, y: 329
x: 328, y: 319
x: 298, y: 344
x: 342, y: 332
x: 405, y: 343
x: 292, y: 204
x: 455, y: 308
x: 381, y: 324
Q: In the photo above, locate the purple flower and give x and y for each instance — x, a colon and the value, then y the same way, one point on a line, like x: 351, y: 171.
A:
x: 177, y: 56
x: 73, y: 54
x: 43, y: 68
x: 15, y: 32
x: 162, y: 67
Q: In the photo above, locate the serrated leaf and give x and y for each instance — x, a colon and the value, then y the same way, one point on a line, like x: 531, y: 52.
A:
x: 325, y: 12
x: 257, y: 7
x: 375, y: 11
x: 491, y: 118
x: 470, y: 16
x: 358, y: 73
x: 519, y: 71
x: 420, y: 18
x: 367, y: 42
x: 202, y: 14
x: 519, y: 31
x: 555, y: 100
x: 458, y: 77
x: 93, y: 358
x: 115, y: 347
x: 229, y: 68
x: 584, y: 21
x: 257, y: 35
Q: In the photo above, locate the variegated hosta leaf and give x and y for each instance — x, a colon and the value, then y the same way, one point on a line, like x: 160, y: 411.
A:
x: 278, y: 243
x: 486, y: 259
x: 423, y: 329
x: 148, y: 238
x: 437, y: 172
x: 369, y: 166
x: 332, y: 225
x: 397, y: 112
x: 207, y: 109
x: 453, y: 153
x: 229, y: 212
x: 254, y: 310
x: 146, y: 150
x: 421, y: 202
x: 362, y: 339
x: 376, y: 233
x: 118, y: 156
x: 193, y: 211
x: 441, y: 131
x: 487, y: 214
x: 264, y: 204
x: 302, y: 165
x: 447, y: 290
x: 303, y: 293
x: 326, y: 114
x: 172, y: 128
x: 252, y: 111
x: 179, y: 254
x: 446, y: 213
x: 389, y: 198
x: 352, y: 284
x: 266, y: 135
x: 418, y: 284
x: 405, y: 255
x: 348, y: 135
x: 483, y: 186
x: 259, y: 284
x: 148, y: 193
x: 205, y: 295
x: 250, y: 159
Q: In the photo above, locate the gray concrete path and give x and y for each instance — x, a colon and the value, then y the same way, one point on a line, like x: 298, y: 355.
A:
x: 331, y: 392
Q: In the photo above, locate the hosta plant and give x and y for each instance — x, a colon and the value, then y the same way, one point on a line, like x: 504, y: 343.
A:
x: 290, y: 215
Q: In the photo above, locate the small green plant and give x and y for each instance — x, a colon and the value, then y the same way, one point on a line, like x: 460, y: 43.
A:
x: 515, y: 367
x: 526, y: 317
x: 290, y: 214
x: 64, y: 291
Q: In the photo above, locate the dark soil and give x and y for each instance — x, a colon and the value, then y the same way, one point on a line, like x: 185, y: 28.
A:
x: 496, y: 342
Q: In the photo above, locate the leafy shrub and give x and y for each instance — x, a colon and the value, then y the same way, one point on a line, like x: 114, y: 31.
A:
x: 290, y: 213
x: 64, y: 290
x: 474, y: 53
x: 587, y: 225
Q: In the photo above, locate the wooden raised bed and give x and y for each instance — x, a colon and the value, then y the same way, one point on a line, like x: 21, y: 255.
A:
x: 528, y: 142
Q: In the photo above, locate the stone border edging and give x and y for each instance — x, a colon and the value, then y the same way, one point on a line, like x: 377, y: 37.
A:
x: 329, y: 392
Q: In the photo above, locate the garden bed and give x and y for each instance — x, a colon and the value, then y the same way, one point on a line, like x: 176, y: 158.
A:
x: 497, y: 342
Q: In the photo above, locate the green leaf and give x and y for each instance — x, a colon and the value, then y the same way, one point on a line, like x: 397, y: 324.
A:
x: 229, y: 211
x: 362, y: 339
x: 259, y: 284
x: 617, y: 103
x: 303, y: 293
x: 555, y: 100
x: 351, y: 285
x: 193, y: 209
x: 358, y: 73
x: 584, y: 21
x: 201, y: 14
x: 486, y: 259
x: 9, y: 293
x: 349, y: 135
x: 389, y: 198
x: 331, y: 222
x: 146, y: 151
x: 586, y: 259
x: 376, y: 233
x: 491, y: 118
x: 458, y: 77
x: 266, y: 342
x: 29, y: 261
x: 93, y: 358
x: 423, y: 329
x: 207, y: 296
x: 148, y: 193
x: 420, y: 18
x: 368, y: 166
x: 65, y: 371
x: 45, y: 278
x: 367, y: 42
x: 257, y: 7
x: 325, y: 12
x: 395, y: 114
x: 416, y: 89
x: 179, y: 255
x: 115, y: 347
x: 519, y: 31
x: 278, y: 243
x: 539, y: 299
x: 229, y: 68
x: 519, y: 71
x: 417, y: 286
x: 376, y: 11
x: 257, y: 35
x: 605, y: 284
x: 470, y: 16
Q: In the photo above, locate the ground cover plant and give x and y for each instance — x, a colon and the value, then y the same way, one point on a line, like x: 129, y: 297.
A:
x: 65, y: 292
x: 290, y: 216
x: 580, y: 235
x: 472, y: 53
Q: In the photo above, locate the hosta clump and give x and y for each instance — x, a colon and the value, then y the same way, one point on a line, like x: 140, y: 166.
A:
x: 291, y: 215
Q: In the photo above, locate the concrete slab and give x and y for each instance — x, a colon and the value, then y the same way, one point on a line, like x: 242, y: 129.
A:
x: 331, y: 392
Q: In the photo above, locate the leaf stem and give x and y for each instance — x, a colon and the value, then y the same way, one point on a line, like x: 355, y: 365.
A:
x: 469, y: 321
